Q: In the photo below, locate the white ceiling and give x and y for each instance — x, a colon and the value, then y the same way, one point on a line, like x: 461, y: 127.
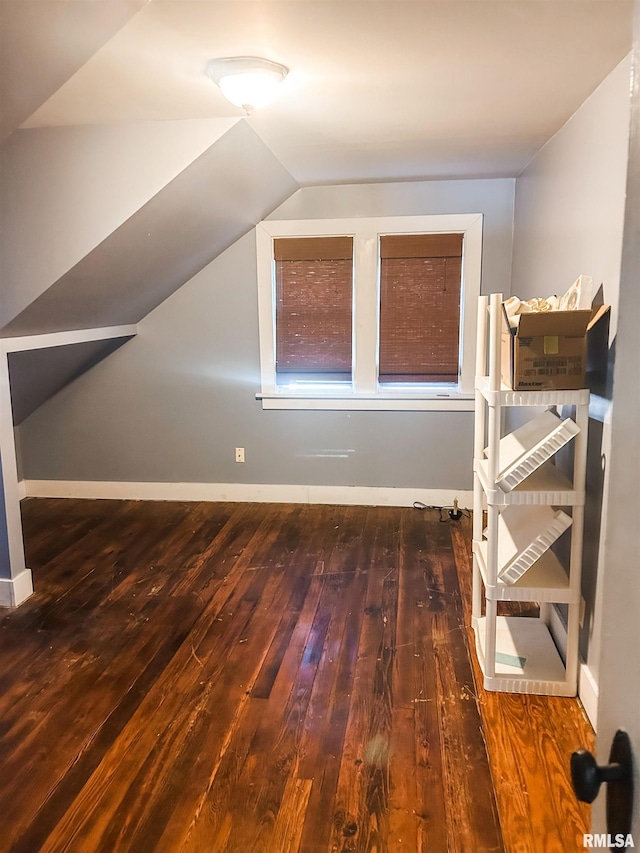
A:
x: 378, y: 89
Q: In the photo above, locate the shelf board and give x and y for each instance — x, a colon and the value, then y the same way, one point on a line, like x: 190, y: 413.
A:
x: 527, y: 660
x: 545, y: 486
x: 545, y: 581
x: 506, y: 396
x: 524, y: 450
x: 524, y: 534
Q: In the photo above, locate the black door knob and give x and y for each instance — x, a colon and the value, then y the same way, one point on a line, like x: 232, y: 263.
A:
x: 587, y: 776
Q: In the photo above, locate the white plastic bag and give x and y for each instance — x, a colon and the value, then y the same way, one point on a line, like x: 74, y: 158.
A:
x: 579, y: 296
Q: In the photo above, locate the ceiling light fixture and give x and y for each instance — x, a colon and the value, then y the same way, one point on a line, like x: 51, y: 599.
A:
x: 247, y: 81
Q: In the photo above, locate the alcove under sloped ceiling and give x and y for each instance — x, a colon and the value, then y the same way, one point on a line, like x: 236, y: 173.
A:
x: 38, y: 374
x: 230, y: 187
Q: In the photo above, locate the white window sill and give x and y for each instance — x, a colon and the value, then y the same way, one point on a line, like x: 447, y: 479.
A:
x: 445, y: 402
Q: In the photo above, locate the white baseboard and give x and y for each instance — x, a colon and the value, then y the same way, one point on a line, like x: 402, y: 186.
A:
x: 249, y: 492
x: 588, y: 690
x: 22, y: 489
x: 13, y: 591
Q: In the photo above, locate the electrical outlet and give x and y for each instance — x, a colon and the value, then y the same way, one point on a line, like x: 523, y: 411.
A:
x: 239, y: 454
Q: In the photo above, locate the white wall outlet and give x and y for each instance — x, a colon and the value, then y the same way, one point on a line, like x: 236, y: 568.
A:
x: 239, y: 454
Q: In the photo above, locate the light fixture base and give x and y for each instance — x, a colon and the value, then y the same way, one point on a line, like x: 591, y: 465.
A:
x: 247, y: 81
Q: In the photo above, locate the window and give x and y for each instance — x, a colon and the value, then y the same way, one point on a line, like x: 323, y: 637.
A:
x: 369, y: 313
x: 314, y: 307
x: 420, y: 279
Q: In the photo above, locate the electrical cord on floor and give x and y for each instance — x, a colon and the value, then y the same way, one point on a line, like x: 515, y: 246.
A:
x: 453, y: 513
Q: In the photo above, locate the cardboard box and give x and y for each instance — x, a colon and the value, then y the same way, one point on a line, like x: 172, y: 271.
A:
x: 548, y: 350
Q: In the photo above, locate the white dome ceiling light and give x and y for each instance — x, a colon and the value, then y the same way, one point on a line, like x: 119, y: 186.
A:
x: 247, y: 81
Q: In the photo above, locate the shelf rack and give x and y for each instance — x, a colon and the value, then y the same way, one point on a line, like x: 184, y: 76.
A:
x: 512, y: 556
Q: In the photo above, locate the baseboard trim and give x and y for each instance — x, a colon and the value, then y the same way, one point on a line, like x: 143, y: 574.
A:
x: 13, y: 591
x: 246, y: 492
x: 588, y: 690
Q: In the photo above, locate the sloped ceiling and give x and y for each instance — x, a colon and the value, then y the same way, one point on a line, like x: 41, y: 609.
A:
x: 66, y: 189
x: 44, y: 43
x: 124, y: 170
x: 377, y: 90
x: 207, y: 207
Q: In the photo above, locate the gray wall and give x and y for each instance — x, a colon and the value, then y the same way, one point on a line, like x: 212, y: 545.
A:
x: 620, y: 678
x: 171, y: 405
x: 569, y: 217
x: 570, y: 199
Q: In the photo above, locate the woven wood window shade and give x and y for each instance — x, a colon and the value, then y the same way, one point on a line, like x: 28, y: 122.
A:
x: 420, y: 281
x: 314, y: 298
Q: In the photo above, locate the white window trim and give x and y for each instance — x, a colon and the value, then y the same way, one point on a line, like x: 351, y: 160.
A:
x: 365, y: 393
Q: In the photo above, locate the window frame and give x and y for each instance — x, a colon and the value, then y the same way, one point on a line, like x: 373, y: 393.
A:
x: 365, y: 392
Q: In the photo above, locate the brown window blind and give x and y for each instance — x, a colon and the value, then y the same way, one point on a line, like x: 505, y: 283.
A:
x: 420, y: 282
x: 314, y: 297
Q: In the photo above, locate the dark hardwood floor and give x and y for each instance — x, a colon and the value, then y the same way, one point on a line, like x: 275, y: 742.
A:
x: 228, y: 678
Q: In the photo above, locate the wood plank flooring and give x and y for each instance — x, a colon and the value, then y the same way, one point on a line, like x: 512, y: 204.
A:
x: 229, y: 678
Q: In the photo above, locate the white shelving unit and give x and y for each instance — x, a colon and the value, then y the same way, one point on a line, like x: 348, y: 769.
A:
x: 529, y: 503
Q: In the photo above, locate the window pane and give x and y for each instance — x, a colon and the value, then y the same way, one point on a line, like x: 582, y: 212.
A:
x: 314, y: 296
x: 420, y: 278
